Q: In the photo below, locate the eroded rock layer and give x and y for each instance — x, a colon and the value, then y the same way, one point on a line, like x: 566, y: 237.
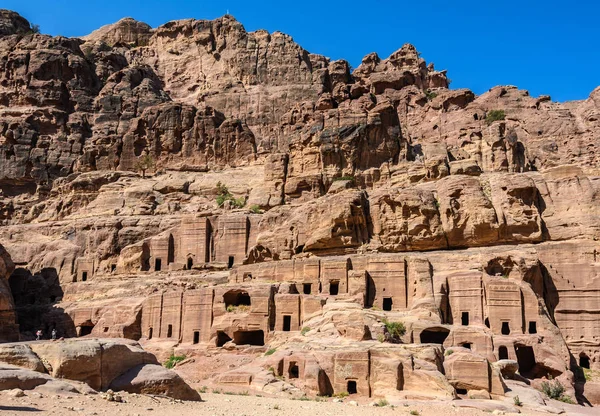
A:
x: 219, y: 193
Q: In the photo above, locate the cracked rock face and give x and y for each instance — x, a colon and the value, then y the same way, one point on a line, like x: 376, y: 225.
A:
x: 226, y: 193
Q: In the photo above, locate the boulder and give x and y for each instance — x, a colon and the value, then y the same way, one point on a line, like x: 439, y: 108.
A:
x: 154, y: 379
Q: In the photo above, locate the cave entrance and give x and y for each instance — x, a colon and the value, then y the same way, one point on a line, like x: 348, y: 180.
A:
x: 196, y: 337
x: 334, y: 287
x: 287, y: 322
x: 505, y: 328
x: 584, y: 361
x: 464, y: 318
x: 230, y: 262
x: 222, y: 338
x: 503, y: 353
x: 525, y: 358
x: 351, y: 387
x: 169, y: 331
x: 249, y: 337
x: 434, y: 335
x: 157, y: 265
x: 466, y: 345
x: 86, y: 329
x: 307, y: 288
x: 150, y: 333
x: 190, y: 263
x: 236, y: 298
x: 84, y: 276
x: 387, y: 304
x: 293, y: 370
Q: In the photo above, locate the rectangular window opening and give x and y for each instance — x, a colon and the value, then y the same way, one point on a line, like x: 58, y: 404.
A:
x: 307, y: 288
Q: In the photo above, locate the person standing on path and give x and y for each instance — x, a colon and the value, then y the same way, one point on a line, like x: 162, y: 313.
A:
x: 54, y: 334
x: 38, y: 335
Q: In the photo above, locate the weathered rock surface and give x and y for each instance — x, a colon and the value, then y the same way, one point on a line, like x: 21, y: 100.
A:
x: 286, y: 223
x: 154, y: 379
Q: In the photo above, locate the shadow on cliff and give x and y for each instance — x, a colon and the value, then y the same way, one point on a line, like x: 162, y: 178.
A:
x: 35, y: 297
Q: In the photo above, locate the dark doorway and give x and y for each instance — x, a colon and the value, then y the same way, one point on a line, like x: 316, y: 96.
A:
x: 249, y: 337
x: 86, y: 330
x: 83, y: 276
x: 230, y: 262
x: 434, y: 335
x: 287, y: 322
x: 113, y: 267
x: 584, y: 361
x: 487, y: 322
x: 503, y: 353
x: 236, y: 298
x: 222, y: 338
x: 307, y: 288
x: 387, y: 304
x: 190, y: 263
x: 505, y: 328
x: 464, y: 318
x: 334, y: 288
x: 169, y: 331
x: 532, y: 327
x: 461, y: 391
x: 171, y: 250
x: 293, y: 373
x: 150, y: 333
x: 157, y: 265
x: 196, y: 337
x: 351, y: 387
x: 525, y: 358
x: 467, y: 345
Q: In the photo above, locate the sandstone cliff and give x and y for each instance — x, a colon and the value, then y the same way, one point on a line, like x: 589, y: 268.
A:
x: 227, y: 193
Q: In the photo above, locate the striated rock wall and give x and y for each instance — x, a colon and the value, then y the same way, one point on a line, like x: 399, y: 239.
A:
x: 200, y: 187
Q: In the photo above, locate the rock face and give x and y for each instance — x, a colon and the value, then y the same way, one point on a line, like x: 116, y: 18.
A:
x: 100, y: 364
x: 218, y: 193
x: 9, y: 329
x: 154, y: 379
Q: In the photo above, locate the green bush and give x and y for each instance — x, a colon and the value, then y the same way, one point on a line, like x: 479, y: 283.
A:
x: 517, y: 401
x: 395, y: 329
x: 344, y: 178
x: 449, y: 352
x: 223, y: 195
x: 144, y: 163
x: 304, y: 330
x: 255, y: 209
x: 555, y: 390
x: 173, y: 360
x: 430, y: 95
x: 270, y: 352
x: 382, y: 403
x: 35, y: 29
x: 494, y: 115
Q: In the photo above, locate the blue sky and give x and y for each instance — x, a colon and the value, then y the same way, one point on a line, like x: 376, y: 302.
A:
x: 547, y: 47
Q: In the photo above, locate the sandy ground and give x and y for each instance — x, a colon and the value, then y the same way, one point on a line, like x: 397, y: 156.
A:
x: 224, y: 405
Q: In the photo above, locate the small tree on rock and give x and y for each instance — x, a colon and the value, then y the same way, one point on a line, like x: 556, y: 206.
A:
x: 144, y: 163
